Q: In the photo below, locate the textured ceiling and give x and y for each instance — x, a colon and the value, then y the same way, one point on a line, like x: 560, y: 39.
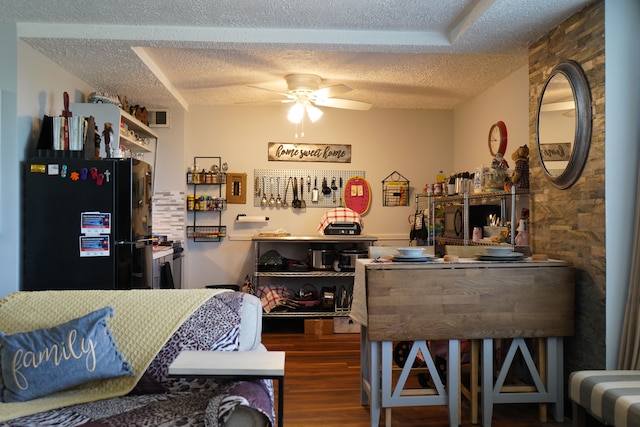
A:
x: 429, y: 54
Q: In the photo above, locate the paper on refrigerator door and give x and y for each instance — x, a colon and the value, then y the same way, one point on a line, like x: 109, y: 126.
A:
x: 94, y: 246
x: 92, y: 223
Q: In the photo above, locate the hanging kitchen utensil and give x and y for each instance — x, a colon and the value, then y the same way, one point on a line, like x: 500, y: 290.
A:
x: 264, y: 201
x: 314, y: 193
x: 333, y: 189
x: 309, y: 184
x: 285, y: 204
x: 272, y: 200
x: 303, y: 204
x: 257, y: 187
x: 325, y: 188
x: 296, y: 201
x: 278, y: 199
x: 341, y: 204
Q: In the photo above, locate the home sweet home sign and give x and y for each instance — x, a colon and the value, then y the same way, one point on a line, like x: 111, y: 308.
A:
x: 286, y: 152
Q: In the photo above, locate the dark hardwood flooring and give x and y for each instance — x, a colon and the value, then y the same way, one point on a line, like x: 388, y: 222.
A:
x: 322, y: 388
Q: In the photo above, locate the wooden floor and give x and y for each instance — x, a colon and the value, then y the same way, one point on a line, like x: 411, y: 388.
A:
x: 322, y: 388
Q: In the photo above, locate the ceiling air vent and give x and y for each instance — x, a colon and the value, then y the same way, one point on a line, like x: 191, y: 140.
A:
x: 158, y: 118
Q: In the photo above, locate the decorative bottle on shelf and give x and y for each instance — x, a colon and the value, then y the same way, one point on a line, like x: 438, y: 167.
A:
x: 451, y: 186
x: 522, y: 238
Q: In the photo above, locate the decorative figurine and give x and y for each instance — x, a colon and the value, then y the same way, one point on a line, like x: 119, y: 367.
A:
x: 499, y: 162
x: 495, y: 178
x: 520, y: 176
x: 125, y: 103
x: 106, y: 134
x: 522, y: 238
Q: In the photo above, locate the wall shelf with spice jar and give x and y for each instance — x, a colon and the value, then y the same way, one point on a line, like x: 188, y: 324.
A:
x: 206, y: 203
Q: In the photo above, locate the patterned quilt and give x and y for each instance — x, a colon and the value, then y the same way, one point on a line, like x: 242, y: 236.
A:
x: 160, y: 400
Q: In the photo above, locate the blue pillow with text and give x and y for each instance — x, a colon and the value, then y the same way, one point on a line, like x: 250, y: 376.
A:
x: 37, y: 363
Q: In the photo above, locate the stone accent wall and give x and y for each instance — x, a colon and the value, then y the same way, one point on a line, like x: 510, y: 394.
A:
x: 570, y: 224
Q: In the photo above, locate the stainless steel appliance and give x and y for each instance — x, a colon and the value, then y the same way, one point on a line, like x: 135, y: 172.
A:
x: 346, y: 259
x: 321, y: 258
x: 178, y: 254
x: 86, y: 224
x: 453, y: 221
x: 342, y: 228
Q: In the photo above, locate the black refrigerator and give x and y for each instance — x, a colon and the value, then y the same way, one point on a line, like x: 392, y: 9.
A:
x: 86, y: 224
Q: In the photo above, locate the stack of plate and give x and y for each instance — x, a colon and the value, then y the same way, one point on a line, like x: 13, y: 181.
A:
x: 500, y: 253
x: 412, y: 254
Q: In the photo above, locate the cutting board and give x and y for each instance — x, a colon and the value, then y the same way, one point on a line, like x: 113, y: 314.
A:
x: 357, y: 194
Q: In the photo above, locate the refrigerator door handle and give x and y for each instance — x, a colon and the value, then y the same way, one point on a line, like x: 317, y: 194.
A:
x: 141, y: 243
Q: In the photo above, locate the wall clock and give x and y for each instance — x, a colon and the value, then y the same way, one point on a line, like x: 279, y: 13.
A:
x: 498, y: 138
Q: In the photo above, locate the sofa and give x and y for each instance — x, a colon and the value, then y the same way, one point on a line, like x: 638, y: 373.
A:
x: 101, y: 357
x: 610, y: 396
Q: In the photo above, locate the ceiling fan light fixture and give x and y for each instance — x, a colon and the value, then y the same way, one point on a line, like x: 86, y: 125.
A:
x: 296, y: 112
x: 314, y: 113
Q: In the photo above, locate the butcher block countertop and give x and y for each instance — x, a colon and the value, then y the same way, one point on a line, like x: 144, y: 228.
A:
x: 467, y: 299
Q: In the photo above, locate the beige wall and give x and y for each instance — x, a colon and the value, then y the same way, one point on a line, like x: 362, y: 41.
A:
x: 507, y: 101
x: 415, y: 143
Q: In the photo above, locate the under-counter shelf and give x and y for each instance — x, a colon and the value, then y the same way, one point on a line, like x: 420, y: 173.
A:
x: 297, y: 247
x: 300, y: 314
x: 310, y: 273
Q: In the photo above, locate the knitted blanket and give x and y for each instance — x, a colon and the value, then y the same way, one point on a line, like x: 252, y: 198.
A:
x: 144, y: 320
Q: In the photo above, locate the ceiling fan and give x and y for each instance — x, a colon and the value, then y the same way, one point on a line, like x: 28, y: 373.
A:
x: 305, y: 92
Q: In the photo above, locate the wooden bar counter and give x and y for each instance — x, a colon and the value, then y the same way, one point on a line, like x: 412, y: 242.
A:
x: 465, y: 300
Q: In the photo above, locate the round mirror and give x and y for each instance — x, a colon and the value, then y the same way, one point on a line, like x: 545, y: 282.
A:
x: 563, y: 128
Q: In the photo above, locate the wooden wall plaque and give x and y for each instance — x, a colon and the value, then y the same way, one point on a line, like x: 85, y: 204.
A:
x: 236, y: 188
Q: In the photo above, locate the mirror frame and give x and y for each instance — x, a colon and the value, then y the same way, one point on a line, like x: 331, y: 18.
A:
x: 582, y: 140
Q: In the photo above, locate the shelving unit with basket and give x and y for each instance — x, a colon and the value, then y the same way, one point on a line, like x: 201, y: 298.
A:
x: 212, y: 204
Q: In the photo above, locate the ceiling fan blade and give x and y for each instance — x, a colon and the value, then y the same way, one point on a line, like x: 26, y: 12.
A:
x: 285, y: 94
x: 272, y: 101
x: 342, y: 103
x: 331, y: 91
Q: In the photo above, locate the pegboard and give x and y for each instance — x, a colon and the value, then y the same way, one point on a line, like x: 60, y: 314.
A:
x: 312, y: 178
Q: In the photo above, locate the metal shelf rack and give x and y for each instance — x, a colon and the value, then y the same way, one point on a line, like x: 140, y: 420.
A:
x: 428, y: 202
x: 200, y: 179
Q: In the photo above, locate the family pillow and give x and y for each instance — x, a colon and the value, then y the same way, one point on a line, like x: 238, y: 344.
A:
x: 36, y: 363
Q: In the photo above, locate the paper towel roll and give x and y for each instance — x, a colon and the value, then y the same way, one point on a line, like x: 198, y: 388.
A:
x: 245, y: 218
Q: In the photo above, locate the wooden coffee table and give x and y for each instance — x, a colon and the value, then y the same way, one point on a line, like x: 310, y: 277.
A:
x: 233, y: 364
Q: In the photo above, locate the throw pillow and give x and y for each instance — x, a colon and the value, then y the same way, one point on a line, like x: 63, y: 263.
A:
x: 36, y: 363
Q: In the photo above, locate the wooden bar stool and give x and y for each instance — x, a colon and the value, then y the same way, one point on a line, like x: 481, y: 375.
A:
x: 385, y: 393
x: 472, y: 391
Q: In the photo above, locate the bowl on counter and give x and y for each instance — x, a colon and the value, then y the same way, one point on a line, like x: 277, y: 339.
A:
x: 412, y: 252
x: 498, y: 250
